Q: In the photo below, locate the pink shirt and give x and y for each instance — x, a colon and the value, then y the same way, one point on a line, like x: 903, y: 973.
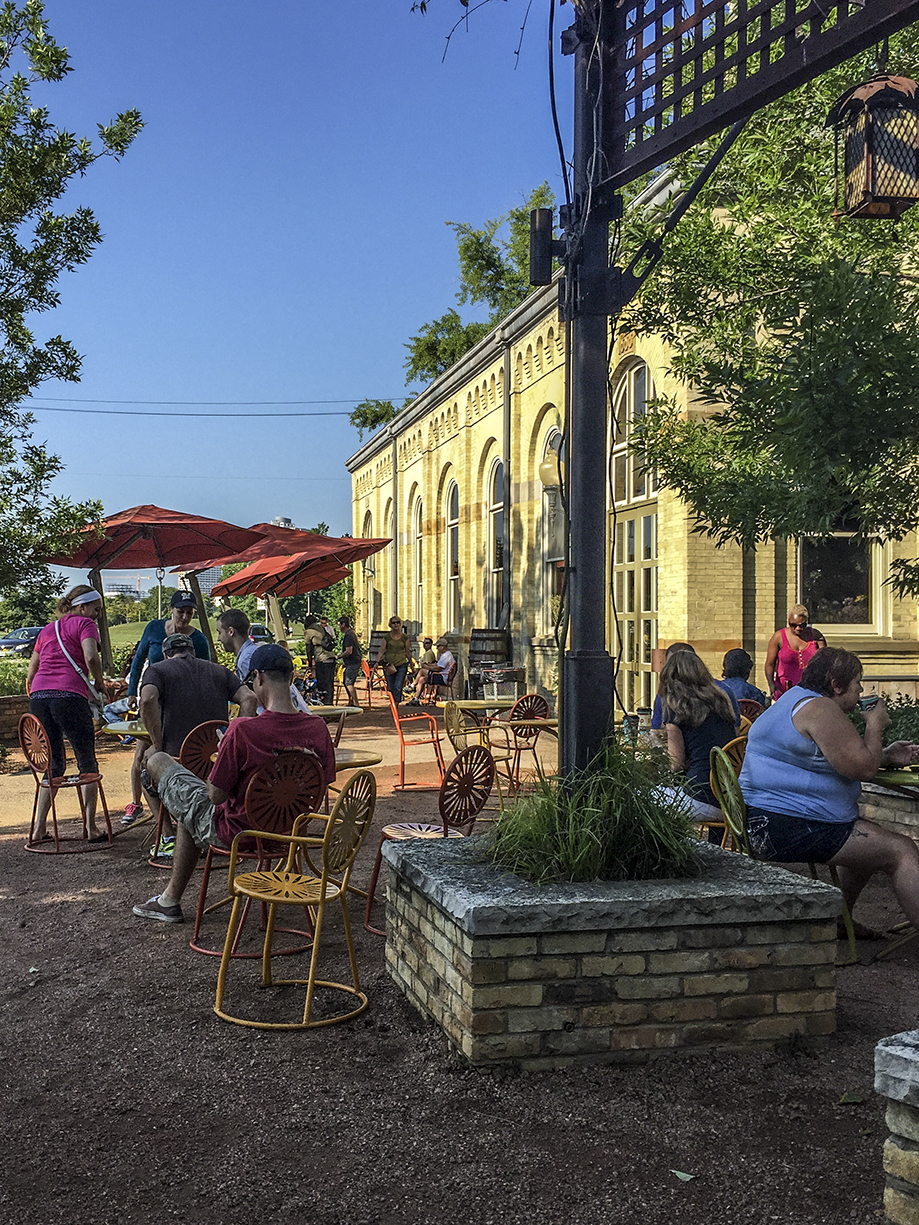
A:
x: 55, y: 670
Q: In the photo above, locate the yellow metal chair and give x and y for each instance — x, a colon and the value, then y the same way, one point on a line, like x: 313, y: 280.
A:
x: 730, y: 797
x: 460, y: 734
x: 299, y: 882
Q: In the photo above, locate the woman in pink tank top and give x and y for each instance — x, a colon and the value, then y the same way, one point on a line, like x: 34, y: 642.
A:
x: 790, y: 650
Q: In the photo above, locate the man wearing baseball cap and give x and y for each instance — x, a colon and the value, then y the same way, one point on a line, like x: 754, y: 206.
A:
x: 150, y: 651
x: 213, y: 813
x: 350, y: 657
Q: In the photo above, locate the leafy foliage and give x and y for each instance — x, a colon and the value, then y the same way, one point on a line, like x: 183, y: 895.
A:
x: 31, y: 605
x: 800, y: 331
x: 494, y: 272
x: 13, y: 677
x: 904, y: 719
x: 37, y: 163
x: 612, y: 824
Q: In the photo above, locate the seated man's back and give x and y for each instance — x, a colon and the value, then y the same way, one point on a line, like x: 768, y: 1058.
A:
x: 250, y: 744
x: 191, y: 691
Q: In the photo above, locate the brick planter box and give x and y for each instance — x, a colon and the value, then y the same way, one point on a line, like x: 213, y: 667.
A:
x: 11, y: 710
x: 548, y: 976
x: 889, y: 808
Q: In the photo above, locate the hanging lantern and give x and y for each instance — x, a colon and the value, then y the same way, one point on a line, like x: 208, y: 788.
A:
x: 880, y: 123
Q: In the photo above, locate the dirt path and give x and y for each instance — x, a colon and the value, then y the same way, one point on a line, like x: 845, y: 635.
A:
x: 127, y: 1102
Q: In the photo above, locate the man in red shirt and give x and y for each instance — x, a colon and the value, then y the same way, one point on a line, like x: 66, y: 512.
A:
x: 213, y: 813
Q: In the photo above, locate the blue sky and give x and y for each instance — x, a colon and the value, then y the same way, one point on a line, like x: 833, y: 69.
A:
x: 276, y: 233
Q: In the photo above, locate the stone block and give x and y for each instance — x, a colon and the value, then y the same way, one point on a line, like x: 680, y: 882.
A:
x: 494, y: 1022
x: 614, y: 1014
x: 529, y: 1020
x: 791, y: 978
x: 541, y: 967
x: 491, y: 971
x: 716, y: 984
x: 610, y: 966
x: 896, y: 1067
x: 643, y: 1037
x: 805, y: 1001
x: 648, y: 987
x: 681, y: 962
x: 805, y: 954
x: 573, y: 942
x: 903, y: 1120
x: 741, y: 959
x: 646, y: 941
x: 508, y: 995
x: 901, y: 1207
x: 901, y: 1158
x: 580, y: 991
x: 774, y: 933
x: 673, y: 1012
x: 710, y: 937
x: 513, y: 946
x: 774, y: 1029
x: 708, y: 1035
x: 734, y: 1006
x: 578, y: 1041
x: 505, y: 1046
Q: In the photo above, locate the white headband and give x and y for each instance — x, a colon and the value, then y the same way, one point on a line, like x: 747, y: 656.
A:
x: 88, y: 597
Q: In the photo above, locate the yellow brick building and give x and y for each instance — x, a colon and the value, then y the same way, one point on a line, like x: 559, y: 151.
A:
x: 478, y: 540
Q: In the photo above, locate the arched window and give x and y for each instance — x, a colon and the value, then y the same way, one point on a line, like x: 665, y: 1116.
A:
x: 373, y: 602
x: 453, y: 557
x: 496, y: 597
x: 418, y: 523
x: 633, y: 529
x: 554, y: 529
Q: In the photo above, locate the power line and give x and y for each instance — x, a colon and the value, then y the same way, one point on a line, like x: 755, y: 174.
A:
x: 208, y: 403
x: 125, y: 412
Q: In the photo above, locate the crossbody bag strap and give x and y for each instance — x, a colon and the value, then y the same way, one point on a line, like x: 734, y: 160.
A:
x: 94, y: 693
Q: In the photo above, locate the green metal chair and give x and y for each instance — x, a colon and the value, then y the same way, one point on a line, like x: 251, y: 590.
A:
x: 729, y: 796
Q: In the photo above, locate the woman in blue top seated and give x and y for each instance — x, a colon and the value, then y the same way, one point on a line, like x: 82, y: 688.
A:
x: 802, y: 775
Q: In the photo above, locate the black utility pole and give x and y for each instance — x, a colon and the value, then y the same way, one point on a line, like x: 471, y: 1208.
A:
x: 587, y: 694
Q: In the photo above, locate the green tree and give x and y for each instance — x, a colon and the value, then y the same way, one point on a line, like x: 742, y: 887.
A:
x: 800, y: 331
x: 371, y: 414
x: 493, y: 272
x: 31, y: 605
x: 37, y: 164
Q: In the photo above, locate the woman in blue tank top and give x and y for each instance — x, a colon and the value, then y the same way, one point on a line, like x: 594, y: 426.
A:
x: 802, y: 775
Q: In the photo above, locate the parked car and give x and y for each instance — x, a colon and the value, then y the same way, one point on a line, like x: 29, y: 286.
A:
x: 20, y: 642
x: 260, y: 633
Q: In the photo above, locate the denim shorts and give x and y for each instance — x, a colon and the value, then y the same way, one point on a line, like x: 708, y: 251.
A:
x: 352, y: 672
x: 784, y: 839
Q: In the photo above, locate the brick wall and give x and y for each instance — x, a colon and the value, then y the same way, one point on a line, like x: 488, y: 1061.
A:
x: 552, y: 998
x: 11, y: 710
x: 899, y: 813
x: 896, y: 1066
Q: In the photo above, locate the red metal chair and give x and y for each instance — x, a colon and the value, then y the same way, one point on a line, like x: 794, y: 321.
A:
x: 432, y: 737
x: 463, y: 794
x: 750, y: 708
x: 33, y: 741
x: 282, y: 790
x: 198, y: 754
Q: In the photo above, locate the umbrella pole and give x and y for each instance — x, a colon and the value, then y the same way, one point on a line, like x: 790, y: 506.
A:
x: 108, y: 663
x: 277, y: 622
x: 202, y: 614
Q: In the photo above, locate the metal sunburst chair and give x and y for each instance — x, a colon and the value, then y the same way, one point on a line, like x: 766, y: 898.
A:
x: 432, y: 737
x: 460, y: 732
x: 730, y: 797
x: 463, y: 794
x: 290, y: 784
x: 299, y: 882
x: 33, y: 740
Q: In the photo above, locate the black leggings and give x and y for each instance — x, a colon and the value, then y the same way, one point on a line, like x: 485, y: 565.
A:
x: 66, y: 714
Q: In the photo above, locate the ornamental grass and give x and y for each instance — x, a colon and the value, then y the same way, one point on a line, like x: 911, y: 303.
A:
x: 612, y: 822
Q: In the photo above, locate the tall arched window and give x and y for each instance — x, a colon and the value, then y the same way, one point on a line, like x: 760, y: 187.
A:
x: 555, y: 529
x: 418, y: 523
x: 496, y: 544
x: 453, y: 558
x: 372, y: 599
x: 633, y: 528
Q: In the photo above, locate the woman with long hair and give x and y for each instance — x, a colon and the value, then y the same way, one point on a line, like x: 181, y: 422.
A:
x: 697, y: 716
x: 66, y: 655
x: 802, y: 775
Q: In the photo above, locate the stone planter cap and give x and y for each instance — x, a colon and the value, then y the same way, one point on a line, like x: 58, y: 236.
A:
x: 896, y: 1067
x: 454, y: 875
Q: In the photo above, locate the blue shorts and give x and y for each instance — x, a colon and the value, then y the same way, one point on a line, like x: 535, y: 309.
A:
x: 784, y: 839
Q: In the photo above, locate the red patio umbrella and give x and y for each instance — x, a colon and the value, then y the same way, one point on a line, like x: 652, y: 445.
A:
x: 148, y: 536
x: 275, y: 542
x: 324, y: 563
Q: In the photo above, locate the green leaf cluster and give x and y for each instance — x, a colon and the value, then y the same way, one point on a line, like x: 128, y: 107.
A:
x: 37, y: 164
x: 798, y: 330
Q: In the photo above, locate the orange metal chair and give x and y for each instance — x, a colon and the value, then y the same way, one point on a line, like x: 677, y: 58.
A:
x: 33, y: 741
x: 463, y: 794
x: 283, y: 789
x: 432, y: 737
x: 300, y: 883
x: 750, y: 708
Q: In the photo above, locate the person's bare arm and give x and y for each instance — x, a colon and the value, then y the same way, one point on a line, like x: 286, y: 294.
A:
x: 246, y: 701
x: 151, y: 714
x: 215, y: 795
x: 676, y: 747
x: 772, y: 654
x: 835, y: 736
x: 34, y: 664
x: 93, y: 662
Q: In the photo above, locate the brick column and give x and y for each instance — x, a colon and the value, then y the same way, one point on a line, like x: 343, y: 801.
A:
x: 896, y: 1077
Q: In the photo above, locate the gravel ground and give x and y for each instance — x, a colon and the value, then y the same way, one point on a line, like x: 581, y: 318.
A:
x: 127, y: 1101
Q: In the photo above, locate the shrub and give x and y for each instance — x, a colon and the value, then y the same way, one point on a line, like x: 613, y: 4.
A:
x: 611, y: 823
x: 904, y: 718
x: 13, y: 676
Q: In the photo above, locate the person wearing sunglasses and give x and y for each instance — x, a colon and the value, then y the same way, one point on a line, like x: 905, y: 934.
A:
x: 790, y: 650
x: 395, y: 655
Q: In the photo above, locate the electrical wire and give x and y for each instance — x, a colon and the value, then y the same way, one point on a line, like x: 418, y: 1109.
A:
x: 553, y: 107
x: 125, y: 412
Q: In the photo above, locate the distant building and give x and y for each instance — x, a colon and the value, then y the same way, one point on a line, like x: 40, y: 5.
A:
x: 110, y: 590
x: 280, y: 521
